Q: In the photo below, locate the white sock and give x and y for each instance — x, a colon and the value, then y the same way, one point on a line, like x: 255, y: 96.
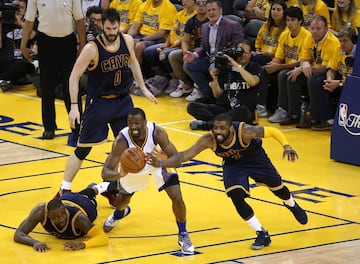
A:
x: 254, y: 223
x: 290, y: 202
x: 102, y: 187
x: 65, y: 185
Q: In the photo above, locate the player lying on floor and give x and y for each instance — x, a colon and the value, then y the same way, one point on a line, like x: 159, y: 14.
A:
x: 69, y: 217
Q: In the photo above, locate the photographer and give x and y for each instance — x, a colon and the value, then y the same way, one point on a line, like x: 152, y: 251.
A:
x: 13, y: 67
x: 93, y: 22
x: 234, y: 85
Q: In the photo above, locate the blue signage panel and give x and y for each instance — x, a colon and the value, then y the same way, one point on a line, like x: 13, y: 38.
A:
x: 345, y: 135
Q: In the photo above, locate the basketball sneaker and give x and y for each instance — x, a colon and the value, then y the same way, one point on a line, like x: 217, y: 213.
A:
x: 111, y: 222
x: 185, y: 244
x: 299, y: 213
x: 262, y: 240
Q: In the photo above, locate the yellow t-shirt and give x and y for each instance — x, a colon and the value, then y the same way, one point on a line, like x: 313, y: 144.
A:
x: 323, y: 52
x: 355, y: 21
x: 267, y: 42
x: 319, y: 9
x: 127, y: 11
x: 337, y: 63
x: 290, y: 49
x: 177, y: 32
x: 152, y: 19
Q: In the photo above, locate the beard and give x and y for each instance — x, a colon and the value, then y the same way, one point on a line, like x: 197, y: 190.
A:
x: 110, y: 38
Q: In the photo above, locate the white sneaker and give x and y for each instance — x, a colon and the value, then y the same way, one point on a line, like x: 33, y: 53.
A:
x: 196, y: 94
x: 279, y: 115
x: 110, y: 223
x: 181, y: 89
x: 185, y: 244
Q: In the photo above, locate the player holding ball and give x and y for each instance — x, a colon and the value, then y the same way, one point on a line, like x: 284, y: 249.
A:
x: 144, y: 135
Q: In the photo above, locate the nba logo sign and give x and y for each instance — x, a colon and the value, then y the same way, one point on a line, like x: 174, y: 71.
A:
x: 342, y: 114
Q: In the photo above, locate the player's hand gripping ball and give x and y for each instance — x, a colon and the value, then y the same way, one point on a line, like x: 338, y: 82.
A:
x: 132, y: 160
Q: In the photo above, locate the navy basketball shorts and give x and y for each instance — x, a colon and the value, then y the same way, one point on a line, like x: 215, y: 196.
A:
x: 236, y: 175
x: 99, y: 112
x: 87, y: 206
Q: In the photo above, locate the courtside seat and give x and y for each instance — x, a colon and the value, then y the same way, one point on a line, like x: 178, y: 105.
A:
x: 251, y: 30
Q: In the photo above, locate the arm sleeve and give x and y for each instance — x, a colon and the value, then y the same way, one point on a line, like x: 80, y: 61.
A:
x: 97, y: 238
x: 275, y: 133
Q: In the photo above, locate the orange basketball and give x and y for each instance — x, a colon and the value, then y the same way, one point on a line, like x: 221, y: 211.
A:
x: 133, y: 160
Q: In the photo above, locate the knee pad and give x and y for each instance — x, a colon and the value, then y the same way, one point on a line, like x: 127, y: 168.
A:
x: 82, y: 152
x: 282, y: 193
x: 243, y: 208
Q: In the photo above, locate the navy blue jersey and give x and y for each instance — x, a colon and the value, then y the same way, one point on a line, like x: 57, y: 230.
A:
x: 241, y: 161
x: 111, y: 74
x: 75, y: 204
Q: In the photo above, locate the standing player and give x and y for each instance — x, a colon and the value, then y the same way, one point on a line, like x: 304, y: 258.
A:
x: 112, y: 65
x: 69, y: 217
x: 243, y: 156
x: 145, y: 135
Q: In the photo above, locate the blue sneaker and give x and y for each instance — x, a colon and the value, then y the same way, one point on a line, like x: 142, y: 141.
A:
x: 262, y: 240
x: 299, y: 213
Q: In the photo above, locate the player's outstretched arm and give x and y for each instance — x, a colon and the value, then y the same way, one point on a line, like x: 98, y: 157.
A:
x: 249, y: 132
x: 204, y: 142
x: 22, y: 232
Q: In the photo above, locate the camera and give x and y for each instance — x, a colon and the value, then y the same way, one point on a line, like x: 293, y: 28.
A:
x: 92, y: 30
x: 8, y: 11
x: 221, y: 62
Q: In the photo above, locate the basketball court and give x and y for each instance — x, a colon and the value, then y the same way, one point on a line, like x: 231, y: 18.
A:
x: 32, y: 170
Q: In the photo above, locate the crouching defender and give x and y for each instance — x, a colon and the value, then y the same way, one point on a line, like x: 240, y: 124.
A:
x: 240, y: 147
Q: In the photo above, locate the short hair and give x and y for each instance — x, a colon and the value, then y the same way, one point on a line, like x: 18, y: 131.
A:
x: 246, y: 42
x: 348, y: 32
x: 320, y: 18
x: 215, y: 1
x: 295, y: 12
x: 111, y: 14
x: 224, y: 117
x: 54, y: 204
x: 137, y: 111
x: 93, y: 10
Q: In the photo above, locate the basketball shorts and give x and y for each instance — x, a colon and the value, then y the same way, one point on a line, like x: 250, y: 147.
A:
x: 134, y: 182
x: 99, y: 112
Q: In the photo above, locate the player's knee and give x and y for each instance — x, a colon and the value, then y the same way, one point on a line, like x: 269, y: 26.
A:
x: 282, y: 193
x: 82, y: 152
x: 242, y: 207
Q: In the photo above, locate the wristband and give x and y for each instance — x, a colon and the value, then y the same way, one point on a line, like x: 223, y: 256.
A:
x: 160, y: 163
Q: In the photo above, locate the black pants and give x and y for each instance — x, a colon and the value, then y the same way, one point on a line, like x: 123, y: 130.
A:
x: 56, y: 59
x: 12, y: 70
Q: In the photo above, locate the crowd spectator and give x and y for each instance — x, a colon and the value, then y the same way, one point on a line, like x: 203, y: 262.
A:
x: 323, y: 47
x: 127, y: 11
x: 13, y: 66
x: 157, y: 55
x: 235, y: 81
x: 152, y: 24
x: 340, y: 66
x: 310, y: 8
x: 190, y: 42
x: 217, y: 34
x: 287, y: 58
x: 266, y: 43
x: 345, y: 14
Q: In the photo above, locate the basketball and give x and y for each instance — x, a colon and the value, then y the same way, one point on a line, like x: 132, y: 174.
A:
x: 133, y: 160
